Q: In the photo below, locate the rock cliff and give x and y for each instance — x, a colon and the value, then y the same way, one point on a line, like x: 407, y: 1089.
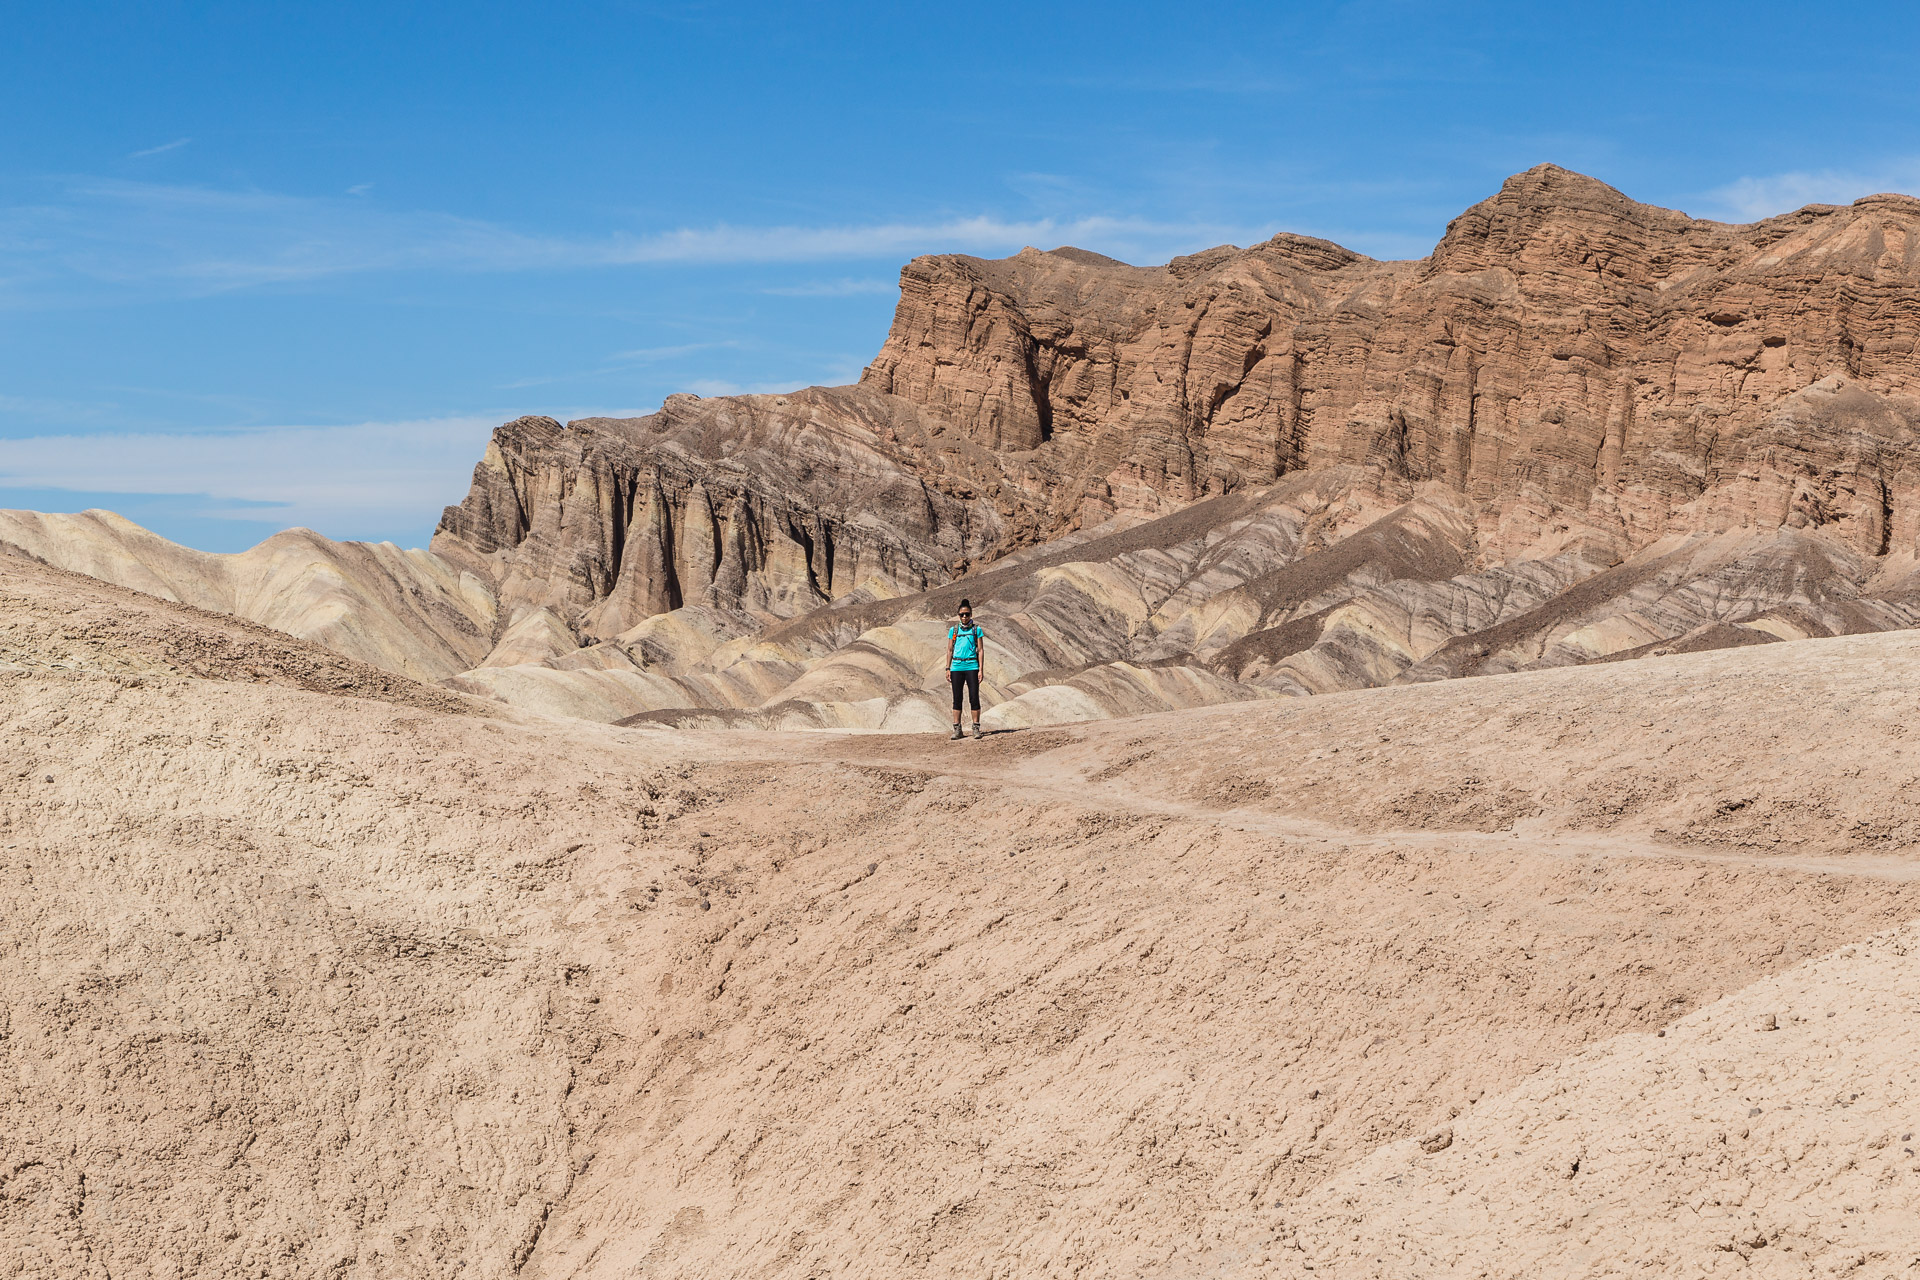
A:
x: 1582, y: 428
x: 1576, y: 364
x: 1582, y: 369
x: 776, y: 504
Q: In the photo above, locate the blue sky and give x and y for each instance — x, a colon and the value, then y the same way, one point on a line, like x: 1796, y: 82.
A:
x: 264, y: 265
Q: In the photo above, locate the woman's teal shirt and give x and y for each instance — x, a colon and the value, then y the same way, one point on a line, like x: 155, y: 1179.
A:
x: 966, y: 647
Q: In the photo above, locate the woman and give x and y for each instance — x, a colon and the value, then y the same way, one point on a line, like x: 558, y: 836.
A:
x: 963, y: 665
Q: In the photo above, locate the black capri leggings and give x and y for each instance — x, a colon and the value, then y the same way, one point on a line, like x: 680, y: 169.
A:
x: 968, y: 680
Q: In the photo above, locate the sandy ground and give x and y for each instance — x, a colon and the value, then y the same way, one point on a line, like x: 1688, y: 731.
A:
x: 366, y: 979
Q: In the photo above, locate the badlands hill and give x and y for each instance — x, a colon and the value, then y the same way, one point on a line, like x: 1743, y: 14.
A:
x: 1581, y: 429
x: 312, y: 970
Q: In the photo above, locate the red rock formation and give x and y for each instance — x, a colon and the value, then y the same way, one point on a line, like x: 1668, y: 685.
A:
x: 1586, y: 372
x: 1576, y: 363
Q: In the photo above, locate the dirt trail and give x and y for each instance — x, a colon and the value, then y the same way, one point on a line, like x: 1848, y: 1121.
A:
x: 299, y: 984
x: 1045, y: 779
x: 1802, y: 758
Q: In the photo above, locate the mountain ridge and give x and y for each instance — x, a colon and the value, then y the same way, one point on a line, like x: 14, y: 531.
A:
x: 1580, y: 427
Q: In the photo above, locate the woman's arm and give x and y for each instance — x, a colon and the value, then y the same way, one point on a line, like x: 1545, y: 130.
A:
x: 950, y: 635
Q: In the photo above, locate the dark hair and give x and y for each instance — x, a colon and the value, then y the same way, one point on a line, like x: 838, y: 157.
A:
x: 967, y: 605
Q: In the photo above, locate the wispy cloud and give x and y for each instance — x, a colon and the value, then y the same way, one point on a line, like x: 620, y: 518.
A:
x: 132, y: 408
x: 834, y: 288
x: 653, y: 355
x: 164, y: 147
x: 338, y: 479
x: 896, y: 239
x: 57, y: 409
x: 721, y: 387
x: 1227, y: 83
x: 1748, y: 199
x: 619, y: 360
x: 103, y: 234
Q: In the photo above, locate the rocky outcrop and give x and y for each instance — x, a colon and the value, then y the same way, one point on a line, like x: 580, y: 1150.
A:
x: 774, y: 504
x: 1328, y: 580
x: 1582, y: 428
x: 1578, y: 365
x: 1588, y: 374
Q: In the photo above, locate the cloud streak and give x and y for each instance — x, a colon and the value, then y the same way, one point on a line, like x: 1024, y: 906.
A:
x: 653, y: 355
x: 162, y: 149
x: 640, y: 357
x: 834, y: 288
x: 1749, y: 199
x: 727, y: 244
x: 722, y: 387
x: 94, y: 236
x: 342, y: 480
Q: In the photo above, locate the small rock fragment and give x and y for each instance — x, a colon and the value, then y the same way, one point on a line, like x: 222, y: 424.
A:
x: 1768, y: 1022
x: 1439, y: 1140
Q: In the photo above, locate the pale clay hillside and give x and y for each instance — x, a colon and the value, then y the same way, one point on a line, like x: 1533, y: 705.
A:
x: 372, y: 912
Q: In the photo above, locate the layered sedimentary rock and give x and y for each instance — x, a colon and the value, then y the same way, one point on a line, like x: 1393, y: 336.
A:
x: 1574, y: 363
x: 1718, y: 421
x: 405, y: 611
x: 776, y: 504
x: 1584, y: 371
x: 1582, y: 428
x: 1319, y: 583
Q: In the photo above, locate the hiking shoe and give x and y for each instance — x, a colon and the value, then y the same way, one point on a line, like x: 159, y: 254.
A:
x: 977, y: 735
x: 956, y: 733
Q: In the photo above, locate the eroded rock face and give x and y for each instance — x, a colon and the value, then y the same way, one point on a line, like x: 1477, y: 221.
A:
x: 1588, y: 374
x: 776, y: 504
x: 1581, y: 429
x: 1576, y: 364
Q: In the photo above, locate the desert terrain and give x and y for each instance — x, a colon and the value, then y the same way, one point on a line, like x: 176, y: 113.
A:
x: 1445, y: 810
x: 312, y: 970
